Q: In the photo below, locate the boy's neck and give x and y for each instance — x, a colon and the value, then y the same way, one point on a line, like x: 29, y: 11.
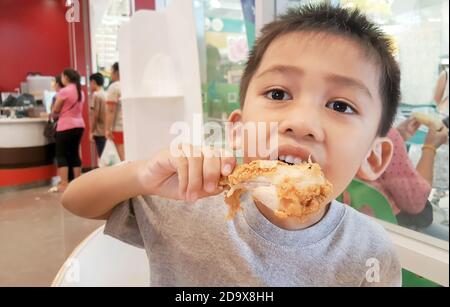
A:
x: 291, y: 223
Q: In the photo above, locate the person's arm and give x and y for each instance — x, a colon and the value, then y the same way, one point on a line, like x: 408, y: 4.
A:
x: 110, y: 115
x: 434, y: 139
x: 185, y: 175
x: 425, y: 166
x: 112, y: 98
x: 57, y: 106
x: 96, y: 193
x: 95, y: 114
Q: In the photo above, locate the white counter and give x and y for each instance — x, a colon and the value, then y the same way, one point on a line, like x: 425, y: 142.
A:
x: 22, y: 132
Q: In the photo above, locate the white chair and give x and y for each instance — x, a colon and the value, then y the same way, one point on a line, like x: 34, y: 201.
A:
x: 102, y: 261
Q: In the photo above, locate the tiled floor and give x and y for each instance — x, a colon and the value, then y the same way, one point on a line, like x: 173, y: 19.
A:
x: 36, y: 235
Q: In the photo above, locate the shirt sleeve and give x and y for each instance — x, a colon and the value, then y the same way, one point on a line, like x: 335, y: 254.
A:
x: 113, y: 94
x: 408, y: 189
x: 391, y: 270
x: 123, y: 225
x: 63, y: 93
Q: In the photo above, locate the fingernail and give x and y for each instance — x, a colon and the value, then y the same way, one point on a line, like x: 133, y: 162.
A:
x: 227, y: 169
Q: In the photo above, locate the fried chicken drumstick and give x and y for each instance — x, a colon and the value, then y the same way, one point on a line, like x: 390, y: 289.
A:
x: 297, y: 190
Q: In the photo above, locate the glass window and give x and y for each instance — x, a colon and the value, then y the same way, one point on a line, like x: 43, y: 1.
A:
x: 226, y: 30
x: 106, y: 17
x: 419, y: 32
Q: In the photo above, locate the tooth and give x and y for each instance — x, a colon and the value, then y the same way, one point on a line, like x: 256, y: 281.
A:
x: 298, y: 161
x: 283, y: 158
x: 290, y: 159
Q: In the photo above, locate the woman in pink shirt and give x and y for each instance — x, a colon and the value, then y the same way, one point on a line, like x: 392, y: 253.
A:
x: 406, y: 187
x: 69, y: 104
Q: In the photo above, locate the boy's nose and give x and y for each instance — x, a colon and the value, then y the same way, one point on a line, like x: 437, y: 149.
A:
x: 303, y: 123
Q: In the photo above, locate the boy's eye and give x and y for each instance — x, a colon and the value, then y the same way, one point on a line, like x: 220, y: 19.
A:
x: 278, y: 95
x: 341, y: 106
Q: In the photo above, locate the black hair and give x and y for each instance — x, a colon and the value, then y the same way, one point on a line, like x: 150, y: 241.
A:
x: 115, y: 67
x: 350, y: 23
x: 74, y: 77
x: 59, y: 81
x: 97, y: 78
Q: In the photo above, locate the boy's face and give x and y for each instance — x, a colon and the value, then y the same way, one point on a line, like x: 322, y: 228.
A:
x: 93, y: 85
x: 323, y: 91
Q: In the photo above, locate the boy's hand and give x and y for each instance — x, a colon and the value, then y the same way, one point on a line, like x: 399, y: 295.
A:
x: 189, y: 174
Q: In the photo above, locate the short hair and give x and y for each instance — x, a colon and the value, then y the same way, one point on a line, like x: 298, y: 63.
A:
x: 97, y: 78
x: 350, y: 23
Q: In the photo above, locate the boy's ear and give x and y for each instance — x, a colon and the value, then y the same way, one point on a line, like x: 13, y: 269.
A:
x: 377, y: 160
x: 235, y: 133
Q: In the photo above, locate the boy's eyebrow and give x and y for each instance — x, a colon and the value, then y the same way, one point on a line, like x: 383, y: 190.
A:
x: 281, y: 69
x: 333, y: 78
x: 347, y: 81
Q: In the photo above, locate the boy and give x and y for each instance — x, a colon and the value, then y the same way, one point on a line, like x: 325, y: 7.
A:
x: 97, y: 134
x: 326, y: 77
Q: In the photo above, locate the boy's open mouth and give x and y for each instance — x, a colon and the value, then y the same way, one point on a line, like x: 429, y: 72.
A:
x: 291, y: 160
x: 293, y: 155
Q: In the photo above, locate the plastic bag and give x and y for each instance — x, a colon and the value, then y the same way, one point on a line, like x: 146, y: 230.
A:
x: 110, y: 156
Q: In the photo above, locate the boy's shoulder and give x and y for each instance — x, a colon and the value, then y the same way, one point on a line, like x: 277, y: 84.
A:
x: 368, y: 241
x: 364, y: 231
x: 101, y: 94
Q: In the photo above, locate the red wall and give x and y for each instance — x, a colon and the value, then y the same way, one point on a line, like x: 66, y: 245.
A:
x: 33, y: 37
x: 144, y: 5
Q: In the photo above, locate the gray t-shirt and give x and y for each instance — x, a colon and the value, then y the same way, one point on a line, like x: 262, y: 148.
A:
x: 195, y: 245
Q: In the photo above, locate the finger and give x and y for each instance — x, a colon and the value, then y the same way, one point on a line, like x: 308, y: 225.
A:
x: 413, y: 124
x: 183, y: 176
x: 227, y: 163
x: 195, y: 172
x: 211, y: 169
x: 443, y: 131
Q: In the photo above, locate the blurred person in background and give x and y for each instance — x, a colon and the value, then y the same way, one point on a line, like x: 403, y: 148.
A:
x: 97, y: 112
x: 69, y: 105
x: 113, y: 119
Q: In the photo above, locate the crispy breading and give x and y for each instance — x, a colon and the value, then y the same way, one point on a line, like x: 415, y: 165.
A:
x: 295, y: 190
